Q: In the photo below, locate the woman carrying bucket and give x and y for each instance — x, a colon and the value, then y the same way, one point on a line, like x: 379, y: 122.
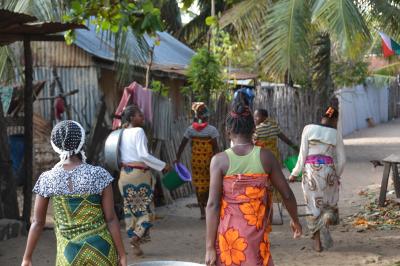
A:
x: 204, y: 145
x: 321, y: 160
x: 135, y: 180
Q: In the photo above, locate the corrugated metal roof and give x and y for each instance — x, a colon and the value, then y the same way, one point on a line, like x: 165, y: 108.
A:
x: 16, y: 26
x: 170, y: 52
x: 58, y: 54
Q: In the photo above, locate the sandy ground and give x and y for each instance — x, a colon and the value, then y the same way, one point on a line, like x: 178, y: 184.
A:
x: 180, y: 234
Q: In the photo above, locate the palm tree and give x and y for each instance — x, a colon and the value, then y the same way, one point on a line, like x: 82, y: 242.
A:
x: 286, y: 31
x: 195, y: 32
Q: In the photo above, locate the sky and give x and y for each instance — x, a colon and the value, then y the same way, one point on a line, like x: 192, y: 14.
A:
x: 186, y: 16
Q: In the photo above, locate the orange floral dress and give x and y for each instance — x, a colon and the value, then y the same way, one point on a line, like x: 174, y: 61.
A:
x: 244, y: 221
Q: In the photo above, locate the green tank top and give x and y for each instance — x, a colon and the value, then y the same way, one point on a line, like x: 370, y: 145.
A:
x: 246, y: 164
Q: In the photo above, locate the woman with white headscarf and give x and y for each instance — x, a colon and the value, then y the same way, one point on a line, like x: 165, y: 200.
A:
x: 86, y: 227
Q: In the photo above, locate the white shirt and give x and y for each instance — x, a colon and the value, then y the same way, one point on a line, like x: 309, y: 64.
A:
x: 133, y: 148
x: 321, y: 140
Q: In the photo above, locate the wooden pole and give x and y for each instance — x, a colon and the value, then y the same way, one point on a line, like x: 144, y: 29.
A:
x: 148, y: 70
x: 28, y: 132
x: 8, y: 189
x: 60, y: 87
x: 52, y: 94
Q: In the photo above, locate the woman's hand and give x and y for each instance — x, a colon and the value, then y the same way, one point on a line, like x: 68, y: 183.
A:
x: 123, y: 260
x: 26, y: 262
x: 166, y: 169
x: 296, y: 228
x: 211, y: 256
x: 295, y: 147
x: 292, y: 178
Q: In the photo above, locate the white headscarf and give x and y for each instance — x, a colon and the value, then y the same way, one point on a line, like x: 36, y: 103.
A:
x: 67, y: 139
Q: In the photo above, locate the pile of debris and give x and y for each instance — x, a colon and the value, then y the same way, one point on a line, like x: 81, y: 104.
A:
x: 374, y: 217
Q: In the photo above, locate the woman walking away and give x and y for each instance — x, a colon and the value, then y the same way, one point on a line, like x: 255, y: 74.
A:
x: 86, y: 227
x: 238, y: 220
x: 135, y: 181
x: 267, y: 133
x: 321, y: 160
x: 203, y: 137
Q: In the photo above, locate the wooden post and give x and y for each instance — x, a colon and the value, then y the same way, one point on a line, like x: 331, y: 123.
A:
x: 396, y: 180
x: 8, y: 189
x: 60, y: 87
x: 28, y: 131
x: 384, y: 184
x: 97, y: 134
x: 52, y: 94
x: 148, y: 69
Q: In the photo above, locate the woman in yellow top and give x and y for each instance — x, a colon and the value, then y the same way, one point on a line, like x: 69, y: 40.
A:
x: 204, y: 145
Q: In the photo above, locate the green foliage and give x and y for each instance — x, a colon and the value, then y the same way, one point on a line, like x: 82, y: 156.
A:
x: 222, y: 46
x: 159, y: 87
x: 204, y: 74
x: 349, y: 73
x: 140, y: 16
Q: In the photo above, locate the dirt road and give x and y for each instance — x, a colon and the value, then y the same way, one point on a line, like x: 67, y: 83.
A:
x: 180, y: 234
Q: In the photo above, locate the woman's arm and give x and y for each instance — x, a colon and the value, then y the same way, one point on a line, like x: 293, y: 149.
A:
x: 213, y: 207
x: 340, y: 154
x: 214, y: 143
x: 38, y: 223
x: 107, y: 203
x: 181, y: 148
x: 302, y: 155
x: 285, y: 139
x: 279, y: 182
x: 144, y: 154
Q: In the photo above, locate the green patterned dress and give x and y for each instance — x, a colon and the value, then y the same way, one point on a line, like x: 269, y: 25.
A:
x: 81, y: 231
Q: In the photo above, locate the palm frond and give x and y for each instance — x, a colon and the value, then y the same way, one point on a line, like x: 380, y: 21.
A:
x: 246, y: 18
x: 171, y: 16
x: 131, y: 51
x: 389, y: 70
x: 284, y: 41
x: 194, y: 32
x: 344, y: 22
x: 385, y: 16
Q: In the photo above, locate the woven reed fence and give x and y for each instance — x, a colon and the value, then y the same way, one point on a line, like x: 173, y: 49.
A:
x: 292, y: 108
x: 394, y: 100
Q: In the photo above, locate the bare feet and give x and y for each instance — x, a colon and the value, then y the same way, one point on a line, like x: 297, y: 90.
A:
x: 202, y: 213
x: 317, y: 242
x: 135, y: 242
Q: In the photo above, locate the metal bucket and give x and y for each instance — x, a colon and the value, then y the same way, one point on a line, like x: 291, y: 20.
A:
x: 165, y: 263
x: 112, y: 155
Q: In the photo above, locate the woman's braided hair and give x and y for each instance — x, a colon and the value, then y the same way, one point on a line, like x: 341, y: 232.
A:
x: 130, y: 110
x: 239, y: 119
x: 263, y: 112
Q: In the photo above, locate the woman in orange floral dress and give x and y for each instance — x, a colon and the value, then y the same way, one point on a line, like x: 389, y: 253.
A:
x: 238, y: 209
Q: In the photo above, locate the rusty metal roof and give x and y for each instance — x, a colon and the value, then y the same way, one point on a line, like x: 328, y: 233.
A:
x: 8, y: 18
x: 39, y: 28
x: 17, y: 26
